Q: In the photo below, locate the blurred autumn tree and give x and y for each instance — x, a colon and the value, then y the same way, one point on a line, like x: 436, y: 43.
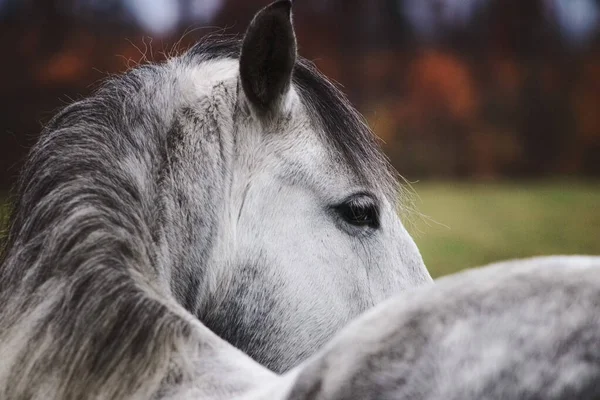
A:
x: 456, y: 88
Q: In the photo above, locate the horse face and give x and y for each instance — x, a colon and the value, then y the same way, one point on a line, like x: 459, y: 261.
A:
x: 308, y: 236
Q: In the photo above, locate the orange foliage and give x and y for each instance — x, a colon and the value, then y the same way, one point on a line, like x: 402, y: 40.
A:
x: 71, y: 63
x: 442, y: 81
x: 63, y: 67
x: 506, y: 74
x: 377, y: 66
x: 586, y: 101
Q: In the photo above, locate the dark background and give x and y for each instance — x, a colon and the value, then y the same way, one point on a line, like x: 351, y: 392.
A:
x: 460, y: 90
x: 456, y: 88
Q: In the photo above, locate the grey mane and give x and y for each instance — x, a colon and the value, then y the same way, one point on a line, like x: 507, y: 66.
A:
x: 341, y: 125
x: 84, y: 312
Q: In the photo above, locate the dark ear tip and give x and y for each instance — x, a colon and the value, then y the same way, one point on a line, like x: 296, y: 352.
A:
x: 268, y: 55
x: 280, y: 5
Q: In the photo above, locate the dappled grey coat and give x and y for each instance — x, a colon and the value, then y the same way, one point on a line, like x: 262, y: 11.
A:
x: 89, y: 310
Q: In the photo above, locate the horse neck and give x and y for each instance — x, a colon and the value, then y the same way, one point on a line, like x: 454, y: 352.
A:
x: 106, y: 212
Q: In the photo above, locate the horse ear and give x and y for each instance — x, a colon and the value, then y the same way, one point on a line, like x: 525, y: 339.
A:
x: 268, y: 56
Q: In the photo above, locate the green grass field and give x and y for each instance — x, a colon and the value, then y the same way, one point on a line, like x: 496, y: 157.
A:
x: 465, y: 225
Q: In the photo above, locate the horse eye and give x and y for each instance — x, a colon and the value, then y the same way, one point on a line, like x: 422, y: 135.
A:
x: 359, y: 211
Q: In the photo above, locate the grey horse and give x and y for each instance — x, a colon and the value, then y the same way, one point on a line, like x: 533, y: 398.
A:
x: 202, y: 228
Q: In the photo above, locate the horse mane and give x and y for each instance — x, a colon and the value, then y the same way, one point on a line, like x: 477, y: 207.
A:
x: 340, y: 125
x: 85, y: 315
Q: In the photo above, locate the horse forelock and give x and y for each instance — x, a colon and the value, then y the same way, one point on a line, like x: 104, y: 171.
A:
x: 340, y: 126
